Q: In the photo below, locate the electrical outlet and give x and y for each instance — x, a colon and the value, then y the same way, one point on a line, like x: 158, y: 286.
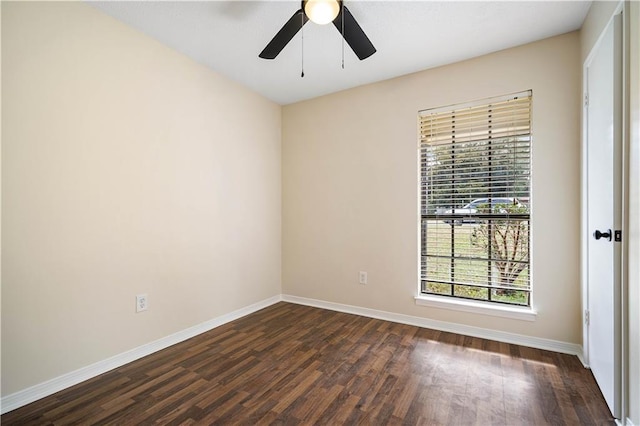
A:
x: 363, y: 277
x: 142, y: 303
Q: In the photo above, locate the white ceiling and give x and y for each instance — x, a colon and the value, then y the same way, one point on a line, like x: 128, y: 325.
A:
x: 409, y: 35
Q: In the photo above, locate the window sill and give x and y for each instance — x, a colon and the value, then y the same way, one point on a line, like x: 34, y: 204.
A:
x: 484, y: 308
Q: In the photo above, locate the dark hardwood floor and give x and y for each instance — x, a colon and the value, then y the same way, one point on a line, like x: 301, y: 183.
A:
x: 292, y: 364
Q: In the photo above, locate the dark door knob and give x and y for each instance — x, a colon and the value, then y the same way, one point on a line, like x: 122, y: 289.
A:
x: 599, y: 234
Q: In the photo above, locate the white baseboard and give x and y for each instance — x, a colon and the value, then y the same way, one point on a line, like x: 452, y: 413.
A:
x: 627, y: 422
x: 466, y: 330
x: 26, y: 396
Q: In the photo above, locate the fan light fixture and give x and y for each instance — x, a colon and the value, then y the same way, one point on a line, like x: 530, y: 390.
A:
x: 321, y: 11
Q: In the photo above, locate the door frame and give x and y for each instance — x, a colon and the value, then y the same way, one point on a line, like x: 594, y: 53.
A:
x: 619, y: 295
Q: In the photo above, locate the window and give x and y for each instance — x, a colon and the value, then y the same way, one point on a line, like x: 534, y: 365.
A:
x: 475, y: 169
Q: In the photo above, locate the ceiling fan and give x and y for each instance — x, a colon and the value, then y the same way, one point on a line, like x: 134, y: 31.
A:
x: 322, y: 12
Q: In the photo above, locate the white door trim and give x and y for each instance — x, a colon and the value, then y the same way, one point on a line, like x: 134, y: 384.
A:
x: 586, y: 232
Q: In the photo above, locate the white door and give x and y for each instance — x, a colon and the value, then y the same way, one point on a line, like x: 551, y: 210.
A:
x: 603, y: 175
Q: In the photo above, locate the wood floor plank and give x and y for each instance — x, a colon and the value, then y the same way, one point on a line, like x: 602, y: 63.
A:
x: 297, y: 365
x: 317, y: 405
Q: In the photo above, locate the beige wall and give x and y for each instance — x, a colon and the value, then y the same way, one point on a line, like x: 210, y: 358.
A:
x: 350, y: 186
x: 599, y: 15
x: 127, y: 168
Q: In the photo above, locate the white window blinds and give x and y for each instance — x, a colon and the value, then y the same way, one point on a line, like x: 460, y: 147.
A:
x: 475, y: 202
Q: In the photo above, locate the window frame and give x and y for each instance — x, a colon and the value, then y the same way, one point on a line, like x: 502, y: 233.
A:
x: 457, y: 302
